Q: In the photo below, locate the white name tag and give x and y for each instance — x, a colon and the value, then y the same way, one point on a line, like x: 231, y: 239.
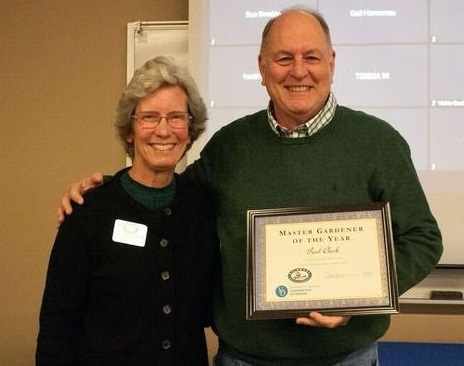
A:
x: 131, y: 233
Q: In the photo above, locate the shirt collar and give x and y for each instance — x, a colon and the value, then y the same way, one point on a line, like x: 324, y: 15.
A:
x: 308, y: 128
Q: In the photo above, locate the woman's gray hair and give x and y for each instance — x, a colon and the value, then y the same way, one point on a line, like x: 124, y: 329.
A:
x: 156, y: 73
x: 319, y: 17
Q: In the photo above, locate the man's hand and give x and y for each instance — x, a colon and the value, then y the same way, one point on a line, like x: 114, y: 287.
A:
x: 316, y: 319
x: 74, y: 193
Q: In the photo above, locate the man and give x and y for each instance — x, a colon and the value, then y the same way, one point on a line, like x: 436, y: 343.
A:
x: 305, y: 150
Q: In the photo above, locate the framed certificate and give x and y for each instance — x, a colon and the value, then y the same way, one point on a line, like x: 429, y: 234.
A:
x: 332, y: 260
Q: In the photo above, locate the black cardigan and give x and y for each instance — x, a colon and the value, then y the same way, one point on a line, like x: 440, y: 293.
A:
x: 113, y: 303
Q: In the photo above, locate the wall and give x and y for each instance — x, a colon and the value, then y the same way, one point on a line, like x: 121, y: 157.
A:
x: 62, y: 67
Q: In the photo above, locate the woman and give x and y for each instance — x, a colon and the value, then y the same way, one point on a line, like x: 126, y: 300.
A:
x: 131, y: 272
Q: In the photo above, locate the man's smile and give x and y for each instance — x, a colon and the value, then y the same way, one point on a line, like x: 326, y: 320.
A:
x: 298, y: 88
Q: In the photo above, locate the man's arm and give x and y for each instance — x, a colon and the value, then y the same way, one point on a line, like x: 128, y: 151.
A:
x: 75, y: 193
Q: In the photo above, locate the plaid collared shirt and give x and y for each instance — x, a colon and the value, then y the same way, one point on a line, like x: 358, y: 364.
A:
x: 324, y: 116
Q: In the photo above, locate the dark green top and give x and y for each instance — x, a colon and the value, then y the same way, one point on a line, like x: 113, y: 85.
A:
x: 148, y: 196
x: 355, y: 159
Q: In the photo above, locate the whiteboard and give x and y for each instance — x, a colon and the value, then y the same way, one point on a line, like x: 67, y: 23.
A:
x: 146, y: 40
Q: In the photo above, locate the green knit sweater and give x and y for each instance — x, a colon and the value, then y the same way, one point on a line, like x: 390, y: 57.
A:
x: 356, y: 158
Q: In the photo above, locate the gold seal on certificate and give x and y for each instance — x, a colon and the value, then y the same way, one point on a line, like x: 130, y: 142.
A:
x: 331, y: 260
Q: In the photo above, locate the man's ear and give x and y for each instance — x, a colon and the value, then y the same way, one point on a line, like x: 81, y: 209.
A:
x: 261, y: 70
x: 332, y: 64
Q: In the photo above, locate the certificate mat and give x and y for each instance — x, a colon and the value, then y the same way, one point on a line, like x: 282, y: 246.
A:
x: 331, y: 260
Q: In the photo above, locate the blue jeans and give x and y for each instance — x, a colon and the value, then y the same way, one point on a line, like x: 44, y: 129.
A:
x: 364, y: 357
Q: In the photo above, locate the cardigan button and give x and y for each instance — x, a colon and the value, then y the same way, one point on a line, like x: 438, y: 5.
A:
x: 167, y: 211
x: 166, y: 344
x: 165, y: 275
x: 164, y: 243
x: 167, y: 309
